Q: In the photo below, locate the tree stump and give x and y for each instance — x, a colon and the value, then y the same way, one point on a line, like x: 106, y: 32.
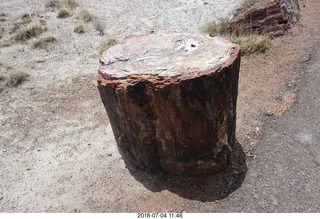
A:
x: 171, y: 101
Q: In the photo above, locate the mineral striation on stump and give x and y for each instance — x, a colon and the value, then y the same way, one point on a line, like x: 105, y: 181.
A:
x: 171, y: 101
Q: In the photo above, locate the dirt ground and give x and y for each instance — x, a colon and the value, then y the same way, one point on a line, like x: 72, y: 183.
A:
x: 57, y: 151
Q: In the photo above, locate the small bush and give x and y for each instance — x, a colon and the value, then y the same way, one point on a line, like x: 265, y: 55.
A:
x: 99, y: 26
x: 79, y: 28
x: 86, y: 16
x: 52, y: 3
x: 249, y: 43
x: 70, y: 3
x: 106, y: 44
x: 2, y: 17
x: 28, y: 32
x: 64, y: 11
x: 6, y: 43
x: 16, y: 78
x: 14, y: 28
x: 214, y: 28
x: 25, y: 19
x: 42, y: 43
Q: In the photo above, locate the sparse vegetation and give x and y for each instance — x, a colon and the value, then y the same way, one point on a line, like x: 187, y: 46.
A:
x: 79, y: 28
x: 99, y: 26
x: 248, y: 42
x: 52, y: 3
x: 42, y: 43
x: 251, y: 43
x: 70, y: 3
x: 86, y: 16
x: 106, y: 44
x: 28, y: 32
x: 25, y: 19
x: 6, y: 43
x: 14, y: 28
x: 80, y: 78
x: 2, y: 17
x: 16, y: 78
x: 64, y: 11
x: 216, y: 28
x: 66, y: 8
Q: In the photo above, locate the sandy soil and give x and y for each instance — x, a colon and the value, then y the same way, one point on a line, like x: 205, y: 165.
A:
x: 57, y: 151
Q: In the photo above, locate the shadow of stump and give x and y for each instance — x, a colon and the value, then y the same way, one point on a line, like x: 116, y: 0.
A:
x: 205, y: 189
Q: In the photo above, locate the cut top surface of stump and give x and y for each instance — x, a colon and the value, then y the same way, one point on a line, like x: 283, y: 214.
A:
x: 166, y: 55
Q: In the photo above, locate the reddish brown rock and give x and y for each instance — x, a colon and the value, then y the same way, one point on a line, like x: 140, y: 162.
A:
x: 171, y: 101
x: 273, y: 17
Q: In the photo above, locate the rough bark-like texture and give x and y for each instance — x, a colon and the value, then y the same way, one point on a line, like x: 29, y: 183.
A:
x: 175, y: 122
x: 273, y: 17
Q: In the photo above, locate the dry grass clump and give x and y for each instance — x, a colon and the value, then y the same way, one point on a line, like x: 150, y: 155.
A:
x: 66, y: 8
x: 25, y: 19
x: 14, y: 28
x: 28, y: 32
x: 249, y: 42
x: 6, y: 43
x: 16, y: 78
x: 42, y: 43
x: 3, y: 17
x: 79, y: 28
x: 86, y: 16
x: 99, y: 26
x: 64, y: 11
x: 106, y: 44
x: 52, y: 3
x: 216, y: 28
x: 70, y: 3
x: 80, y: 78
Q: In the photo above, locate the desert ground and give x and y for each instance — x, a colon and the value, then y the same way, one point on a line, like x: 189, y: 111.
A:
x: 57, y: 150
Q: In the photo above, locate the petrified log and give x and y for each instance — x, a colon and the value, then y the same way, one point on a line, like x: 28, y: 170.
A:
x: 171, y: 101
x: 273, y: 17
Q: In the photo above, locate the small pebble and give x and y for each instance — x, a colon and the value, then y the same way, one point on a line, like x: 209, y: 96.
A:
x: 4, y: 150
x: 269, y: 113
x: 41, y: 59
